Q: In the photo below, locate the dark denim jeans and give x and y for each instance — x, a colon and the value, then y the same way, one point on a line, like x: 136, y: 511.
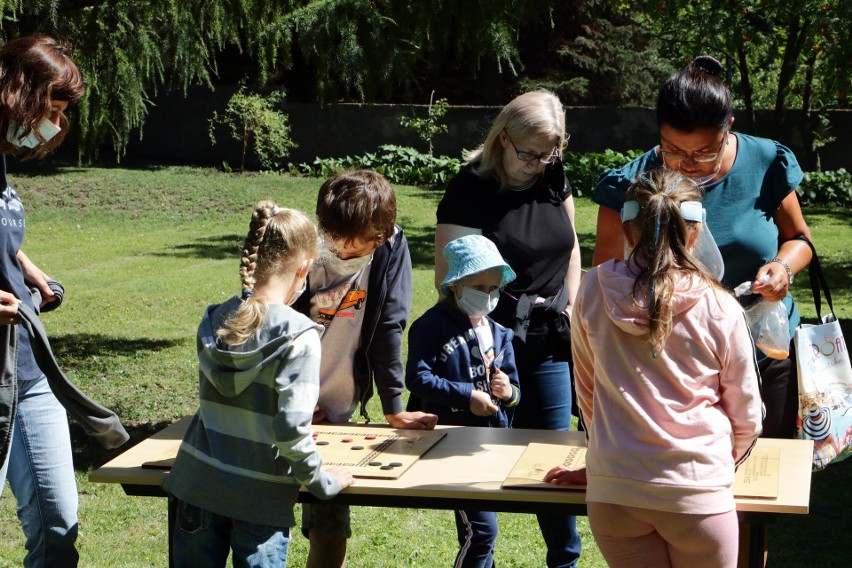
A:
x: 477, y: 532
x: 203, y: 539
x: 546, y: 405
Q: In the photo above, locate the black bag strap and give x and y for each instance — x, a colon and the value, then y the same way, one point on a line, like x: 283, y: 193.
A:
x: 817, y: 279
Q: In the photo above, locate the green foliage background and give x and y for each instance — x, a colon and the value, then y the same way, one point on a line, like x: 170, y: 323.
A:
x: 780, y: 54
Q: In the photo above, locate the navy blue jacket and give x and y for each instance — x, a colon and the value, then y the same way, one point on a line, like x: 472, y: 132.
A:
x: 379, y: 355
x: 443, y: 367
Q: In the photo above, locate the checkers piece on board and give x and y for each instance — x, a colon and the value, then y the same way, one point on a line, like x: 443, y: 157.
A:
x: 392, y: 450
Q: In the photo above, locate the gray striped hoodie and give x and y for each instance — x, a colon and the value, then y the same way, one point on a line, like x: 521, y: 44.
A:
x: 249, y: 447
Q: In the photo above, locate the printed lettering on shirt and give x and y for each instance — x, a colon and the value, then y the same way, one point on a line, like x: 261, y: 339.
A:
x: 14, y: 223
x: 453, y: 343
x: 477, y: 371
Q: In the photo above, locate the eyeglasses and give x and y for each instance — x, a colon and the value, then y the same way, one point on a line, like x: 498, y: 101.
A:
x: 699, y: 157
x: 528, y: 157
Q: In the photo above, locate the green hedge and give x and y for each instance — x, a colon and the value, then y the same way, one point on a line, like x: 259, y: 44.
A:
x: 401, y: 164
x: 826, y: 188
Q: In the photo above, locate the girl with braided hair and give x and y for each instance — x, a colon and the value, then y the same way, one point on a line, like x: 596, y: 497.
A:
x: 667, y: 386
x: 249, y: 447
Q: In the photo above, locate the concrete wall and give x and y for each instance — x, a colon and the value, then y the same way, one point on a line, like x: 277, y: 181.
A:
x: 177, y: 130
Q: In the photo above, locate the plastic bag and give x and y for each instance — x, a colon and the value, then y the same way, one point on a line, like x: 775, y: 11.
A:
x: 768, y: 324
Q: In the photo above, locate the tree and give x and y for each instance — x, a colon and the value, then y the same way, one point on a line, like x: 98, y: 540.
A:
x: 589, y: 53
x: 254, y: 120
x: 129, y: 51
x: 429, y: 126
x: 780, y: 54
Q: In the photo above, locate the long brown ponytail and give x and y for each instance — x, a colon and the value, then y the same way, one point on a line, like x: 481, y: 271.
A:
x: 662, y: 245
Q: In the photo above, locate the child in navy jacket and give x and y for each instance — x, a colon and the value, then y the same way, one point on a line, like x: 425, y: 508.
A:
x: 462, y: 366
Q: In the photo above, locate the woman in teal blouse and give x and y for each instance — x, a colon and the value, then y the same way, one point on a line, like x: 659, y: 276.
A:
x: 752, y: 208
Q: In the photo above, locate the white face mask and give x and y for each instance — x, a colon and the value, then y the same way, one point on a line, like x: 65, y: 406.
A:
x: 348, y: 266
x: 477, y: 304
x: 46, y: 128
x: 297, y: 293
x: 705, y: 179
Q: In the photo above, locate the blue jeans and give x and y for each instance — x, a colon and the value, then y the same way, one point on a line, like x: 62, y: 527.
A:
x: 40, y: 470
x: 202, y: 539
x: 477, y: 532
x: 546, y: 405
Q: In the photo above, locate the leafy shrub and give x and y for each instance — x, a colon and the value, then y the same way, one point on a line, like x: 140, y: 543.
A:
x: 399, y: 164
x: 584, y: 169
x: 254, y: 120
x: 429, y: 127
x: 826, y: 188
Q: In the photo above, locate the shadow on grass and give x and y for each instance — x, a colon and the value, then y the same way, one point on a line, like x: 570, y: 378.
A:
x: 89, y: 454
x: 587, y: 248
x: 72, y: 348
x: 220, y: 247
x: 422, y: 248
x: 801, y: 540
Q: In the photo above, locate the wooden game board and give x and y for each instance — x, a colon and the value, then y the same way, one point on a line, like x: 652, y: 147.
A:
x: 390, y: 451
x: 538, y: 459
x: 757, y: 477
x: 385, y: 446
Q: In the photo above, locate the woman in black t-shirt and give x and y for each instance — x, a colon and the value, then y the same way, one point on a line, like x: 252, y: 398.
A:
x: 514, y: 191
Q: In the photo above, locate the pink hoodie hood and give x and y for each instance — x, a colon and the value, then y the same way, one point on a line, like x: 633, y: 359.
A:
x: 616, y: 279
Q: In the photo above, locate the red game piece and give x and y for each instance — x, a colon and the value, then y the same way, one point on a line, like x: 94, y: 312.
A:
x: 346, y: 440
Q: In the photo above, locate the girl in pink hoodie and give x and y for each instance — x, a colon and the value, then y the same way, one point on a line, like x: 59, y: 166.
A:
x: 667, y: 385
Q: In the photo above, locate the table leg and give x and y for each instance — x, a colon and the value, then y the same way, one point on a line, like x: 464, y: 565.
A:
x: 756, y: 545
x: 172, y: 505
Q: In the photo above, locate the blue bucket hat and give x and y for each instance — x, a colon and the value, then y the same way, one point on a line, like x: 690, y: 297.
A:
x: 472, y: 254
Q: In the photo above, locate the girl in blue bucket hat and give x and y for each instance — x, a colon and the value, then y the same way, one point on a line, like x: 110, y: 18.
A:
x: 462, y: 366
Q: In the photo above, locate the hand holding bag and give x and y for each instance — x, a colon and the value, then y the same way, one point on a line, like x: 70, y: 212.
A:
x: 825, y: 379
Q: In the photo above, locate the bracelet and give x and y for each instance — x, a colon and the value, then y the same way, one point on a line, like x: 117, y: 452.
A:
x: 786, y: 266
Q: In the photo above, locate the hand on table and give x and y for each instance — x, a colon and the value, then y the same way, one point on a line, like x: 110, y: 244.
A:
x: 319, y: 415
x: 412, y: 420
x: 561, y: 475
x: 343, y: 475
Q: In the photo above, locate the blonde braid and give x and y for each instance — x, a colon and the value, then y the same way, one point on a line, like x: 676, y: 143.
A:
x: 244, y: 322
x: 257, y: 229
x: 277, y: 240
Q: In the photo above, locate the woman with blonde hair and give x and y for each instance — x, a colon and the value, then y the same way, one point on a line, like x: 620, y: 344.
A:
x: 514, y: 192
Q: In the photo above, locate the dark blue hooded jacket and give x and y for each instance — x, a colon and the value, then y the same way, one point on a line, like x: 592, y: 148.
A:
x: 379, y: 355
x: 444, y: 366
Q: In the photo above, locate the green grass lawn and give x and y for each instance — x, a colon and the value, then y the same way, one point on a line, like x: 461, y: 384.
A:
x: 141, y: 254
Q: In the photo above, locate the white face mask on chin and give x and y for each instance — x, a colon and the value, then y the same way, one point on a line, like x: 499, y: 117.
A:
x: 348, y: 266
x: 706, y: 179
x: 46, y: 128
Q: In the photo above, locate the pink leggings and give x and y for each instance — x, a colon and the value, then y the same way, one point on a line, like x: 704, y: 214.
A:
x: 634, y: 538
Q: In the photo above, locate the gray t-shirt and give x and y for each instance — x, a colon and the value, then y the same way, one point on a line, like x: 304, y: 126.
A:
x: 337, y: 303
